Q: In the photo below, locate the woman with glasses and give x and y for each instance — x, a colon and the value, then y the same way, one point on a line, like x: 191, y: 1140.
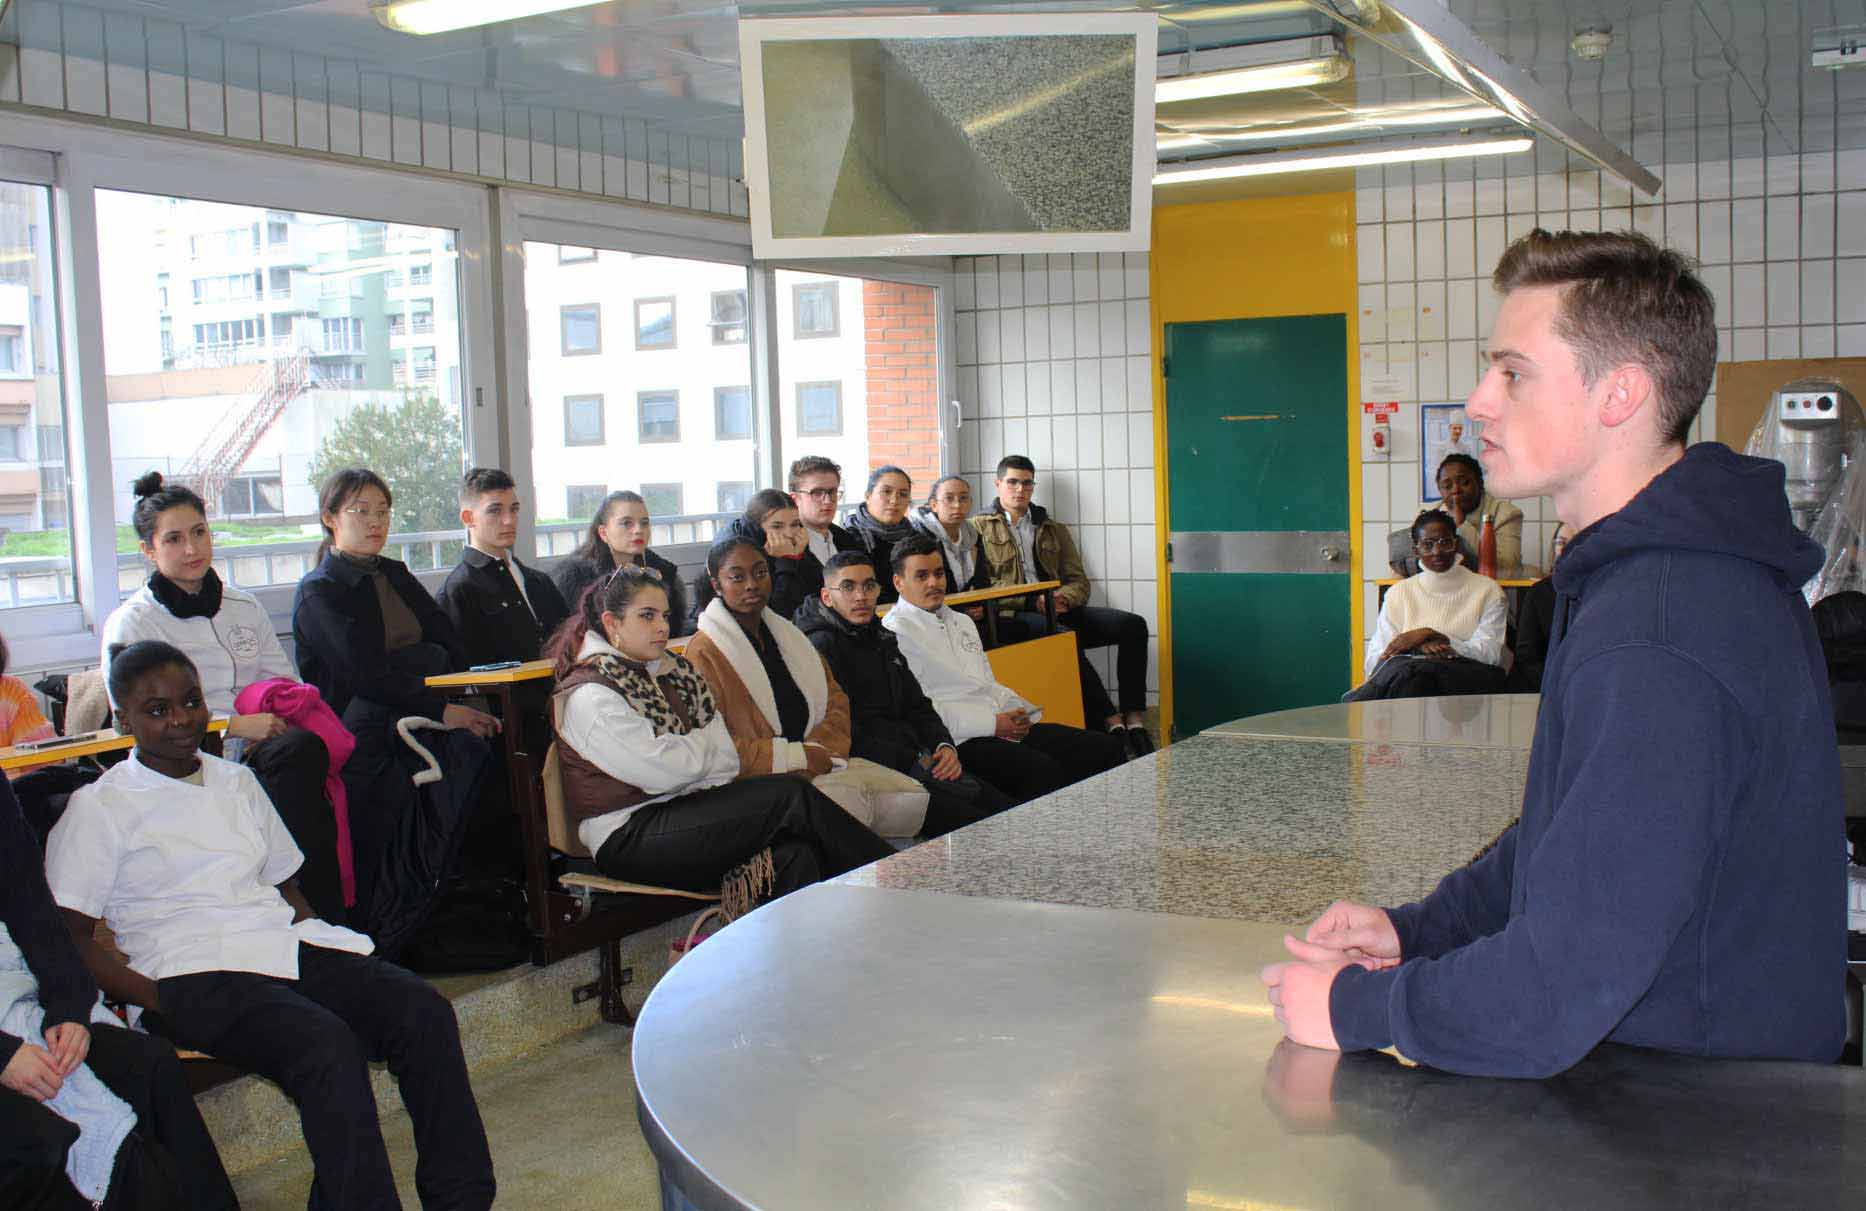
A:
x: 880, y: 520
x: 618, y: 537
x: 1440, y: 632
x: 650, y: 771
x: 368, y: 637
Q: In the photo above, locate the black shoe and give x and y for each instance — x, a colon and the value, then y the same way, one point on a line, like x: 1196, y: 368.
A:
x: 1139, y: 744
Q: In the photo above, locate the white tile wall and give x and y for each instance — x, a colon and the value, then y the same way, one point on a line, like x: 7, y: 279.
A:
x: 1068, y: 381
x: 1774, y: 240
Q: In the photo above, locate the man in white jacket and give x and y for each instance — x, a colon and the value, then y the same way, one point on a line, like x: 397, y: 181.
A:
x: 1000, y: 735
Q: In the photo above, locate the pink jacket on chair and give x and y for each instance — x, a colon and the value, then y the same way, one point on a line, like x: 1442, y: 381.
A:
x: 302, y: 706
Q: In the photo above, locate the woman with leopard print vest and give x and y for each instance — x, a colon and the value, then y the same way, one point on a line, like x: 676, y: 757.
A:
x: 648, y: 765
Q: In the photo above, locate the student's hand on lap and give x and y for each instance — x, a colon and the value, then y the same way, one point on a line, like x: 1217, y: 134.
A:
x: 817, y: 759
x: 1299, y: 993
x: 1012, y: 725
x: 69, y: 1043
x: 33, y: 1072
x: 1355, y: 932
x: 478, y: 722
x: 945, y: 765
x: 256, y: 727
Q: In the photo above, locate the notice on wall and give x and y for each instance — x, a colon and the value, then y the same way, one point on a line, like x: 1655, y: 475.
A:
x: 1443, y: 430
x: 1380, y: 408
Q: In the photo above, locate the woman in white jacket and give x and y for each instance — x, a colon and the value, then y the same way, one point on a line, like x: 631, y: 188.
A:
x: 231, y: 640
x: 1000, y: 735
x: 649, y: 768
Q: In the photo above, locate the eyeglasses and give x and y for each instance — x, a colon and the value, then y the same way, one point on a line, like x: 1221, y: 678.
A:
x: 1015, y: 484
x: 821, y: 493
x: 366, y: 514
x: 1434, y: 546
x: 854, y: 589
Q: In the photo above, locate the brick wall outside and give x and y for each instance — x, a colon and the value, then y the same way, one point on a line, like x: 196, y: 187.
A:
x: 903, y: 380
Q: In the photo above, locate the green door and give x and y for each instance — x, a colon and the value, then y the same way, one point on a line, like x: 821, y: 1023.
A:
x: 1257, y: 503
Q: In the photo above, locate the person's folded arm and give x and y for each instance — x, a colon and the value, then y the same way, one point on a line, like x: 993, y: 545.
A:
x: 599, y: 724
x: 1383, y: 635
x: 1645, y: 797
x: 1485, y: 644
x: 345, y: 644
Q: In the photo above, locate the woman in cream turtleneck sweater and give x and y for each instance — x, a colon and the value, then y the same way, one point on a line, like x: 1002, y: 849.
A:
x: 1445, y: 624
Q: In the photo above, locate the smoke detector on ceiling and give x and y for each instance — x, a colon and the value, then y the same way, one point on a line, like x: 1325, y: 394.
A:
x: 1591, y: 42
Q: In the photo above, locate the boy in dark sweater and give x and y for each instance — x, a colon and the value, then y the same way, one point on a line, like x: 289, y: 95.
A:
x: 1677, y: 879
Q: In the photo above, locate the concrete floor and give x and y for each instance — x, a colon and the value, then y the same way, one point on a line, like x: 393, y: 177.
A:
x: 562, y: 1125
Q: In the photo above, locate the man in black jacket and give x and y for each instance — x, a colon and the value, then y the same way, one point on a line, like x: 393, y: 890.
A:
x: 502, y: 609
x: 893, y: 723
x: 138, y: 1068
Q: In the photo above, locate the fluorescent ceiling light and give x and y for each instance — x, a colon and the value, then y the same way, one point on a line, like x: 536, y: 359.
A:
x: 1225, y: 167
x: 441, y: 16
x: 1260, y: 67
x: 1176, y: 137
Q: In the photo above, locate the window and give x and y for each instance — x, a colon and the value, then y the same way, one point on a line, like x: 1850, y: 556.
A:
x: 278, y: 231
x: 582, y: 329
x: 582, y: 500
x: 583, y: 421
x: 35, y: 550
x: 728, y: 317
x: 568, y: 254
x: 398, y: 323
x: 663, y: 500
x: 660, y: 415
x: 819, y: 409
x: 732, y: 413
x: 420, y: 275
x: 654, y: 323
x: 421, y: 315
x: 815, y: 306
x: 391, y: 279
x: 314, y: 384
x: 733, y: 497
x: 253, y: 496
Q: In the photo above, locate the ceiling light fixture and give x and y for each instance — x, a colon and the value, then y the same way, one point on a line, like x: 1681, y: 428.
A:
x: 1226, y: 167
x: 444, y: 16
x: 1259, y: 67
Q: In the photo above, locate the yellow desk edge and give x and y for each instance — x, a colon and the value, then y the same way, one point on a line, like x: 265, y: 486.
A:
x: 104, y: 740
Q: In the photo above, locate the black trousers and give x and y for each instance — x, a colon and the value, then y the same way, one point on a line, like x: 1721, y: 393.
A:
x: 1428, y: 677
x: 315, y: 1037
x: 1100, y: 627
x: 690, y: 842
x: 291, y: 769
x: 1051, y: 757
x: 954, y: 804
x: 144, y: 1072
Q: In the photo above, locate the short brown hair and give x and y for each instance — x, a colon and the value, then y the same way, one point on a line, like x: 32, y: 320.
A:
x: 812, y: 464
x: 1626, y: 300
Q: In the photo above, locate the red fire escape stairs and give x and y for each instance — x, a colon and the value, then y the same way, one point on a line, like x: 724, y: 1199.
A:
x: 213, y: 463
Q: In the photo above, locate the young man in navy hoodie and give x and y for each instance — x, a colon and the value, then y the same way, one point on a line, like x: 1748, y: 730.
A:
x: 1677, y: 878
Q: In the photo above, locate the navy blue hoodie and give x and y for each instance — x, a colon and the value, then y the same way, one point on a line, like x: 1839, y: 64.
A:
x: 1678, y: 876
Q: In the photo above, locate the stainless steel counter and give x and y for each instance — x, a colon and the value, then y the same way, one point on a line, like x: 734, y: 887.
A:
x: 855, y: 1047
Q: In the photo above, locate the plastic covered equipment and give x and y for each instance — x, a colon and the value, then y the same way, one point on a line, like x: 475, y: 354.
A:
x: 1815, y: 428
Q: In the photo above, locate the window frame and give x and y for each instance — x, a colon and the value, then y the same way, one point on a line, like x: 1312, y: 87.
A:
x: 679, y: 490
x: 641, y: 420
x: 719, y: 493
x: 600, y: 491
x: 673, y: 323
x: 841, y: 418
x: 719, y: 433
x: 602, y: 421
x: 719, y: 326
x: 563, y: 329
x: 796, y: 310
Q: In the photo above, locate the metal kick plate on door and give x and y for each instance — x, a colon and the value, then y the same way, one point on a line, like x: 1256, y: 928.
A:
x: 1261, y: 551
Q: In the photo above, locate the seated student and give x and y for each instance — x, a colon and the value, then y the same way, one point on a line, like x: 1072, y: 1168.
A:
x: 816, y: 486
x: 1535, y: 625
x: 1000, y: 737
x: 1440, y: 632
x: 893, y: 723
x: 880, y: 520
x: 945, y: 517
x: 619, y: 535
x: 56, y: 1042
x: 230, y: 637
x: 21, y: 720
x: 501, y: 609
x: 368, y: 637
x: 1023, y: 543
x: 184, y: 857
x: 649, y: 767
x: 772, y: 522
x: 1460, y: 480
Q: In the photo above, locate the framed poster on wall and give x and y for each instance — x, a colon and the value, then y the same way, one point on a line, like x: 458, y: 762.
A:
x: 1443, y: 429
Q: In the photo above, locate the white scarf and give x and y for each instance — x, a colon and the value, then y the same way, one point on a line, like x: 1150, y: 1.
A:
x: 805, y: 665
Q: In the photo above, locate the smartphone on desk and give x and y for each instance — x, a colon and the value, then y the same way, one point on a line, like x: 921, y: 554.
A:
x: 500, y: 667
x: 37, y: 746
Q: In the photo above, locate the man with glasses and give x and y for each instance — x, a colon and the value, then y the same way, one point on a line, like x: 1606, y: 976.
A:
x: 816, y: 486
x: 1023, y: 544
x: 892, y: 722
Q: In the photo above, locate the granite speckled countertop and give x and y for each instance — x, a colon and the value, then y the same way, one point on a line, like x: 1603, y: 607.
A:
x: 1235, y: 827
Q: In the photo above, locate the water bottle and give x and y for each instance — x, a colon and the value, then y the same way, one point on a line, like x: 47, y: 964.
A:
x: 1487, y: 549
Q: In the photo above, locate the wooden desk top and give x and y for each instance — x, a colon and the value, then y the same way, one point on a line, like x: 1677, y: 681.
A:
x: 974, y: 596
x: 531, y: 670
x: 87, y: 744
